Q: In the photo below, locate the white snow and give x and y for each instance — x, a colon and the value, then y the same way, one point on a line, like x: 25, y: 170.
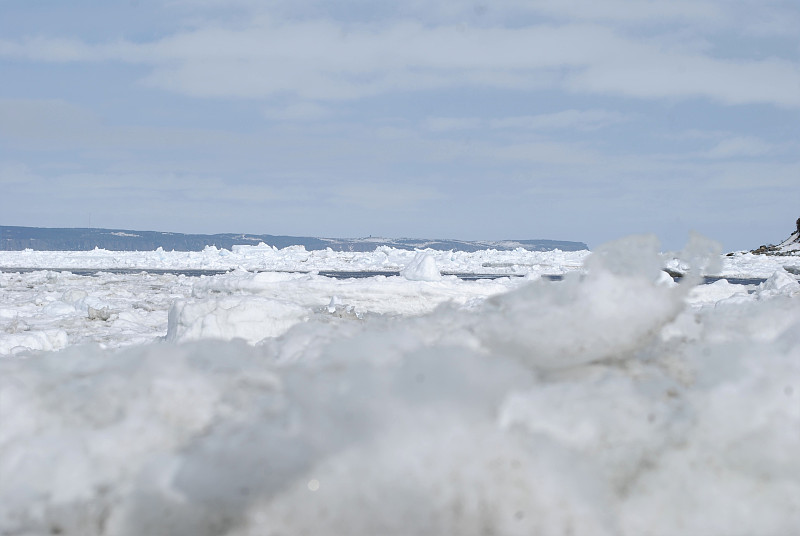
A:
x: 791, y: 243
x: 614, y: 402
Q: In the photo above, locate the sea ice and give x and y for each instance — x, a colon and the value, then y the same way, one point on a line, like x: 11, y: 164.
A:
x: 612, y: 402
x: 252, y: 318
x: 422, y: 268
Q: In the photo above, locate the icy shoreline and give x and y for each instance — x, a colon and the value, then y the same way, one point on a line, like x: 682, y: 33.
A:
x: 298, y: 259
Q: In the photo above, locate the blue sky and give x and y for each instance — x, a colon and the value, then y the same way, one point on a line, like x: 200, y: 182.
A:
x: 566, y: 119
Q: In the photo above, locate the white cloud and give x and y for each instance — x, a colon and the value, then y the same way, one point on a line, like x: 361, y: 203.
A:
x: 745, y: 146
x: 760, y: 179
x: 62, y: 125
x: 436, y: 11
x: 14, y: 173
x: 301, y: 111
x: 699, y: 134
x: 629, y: 10
x: 582, y: 120
x: 567, y: 119
x: 680, y: 76
x: 445, y: 124
x: 559, y: 155
x: 382, y: 196
x: 329, y: 61
x: 745, y: 17
x: 43, y: 119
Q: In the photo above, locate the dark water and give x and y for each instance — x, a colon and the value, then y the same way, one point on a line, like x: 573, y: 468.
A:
x: 197, y: 273
x: 365, y: 274
x: 733, y: 280
x: 118, y: 271
x: 707, y: 280
x: 333, y: 274
x: 356, y: 275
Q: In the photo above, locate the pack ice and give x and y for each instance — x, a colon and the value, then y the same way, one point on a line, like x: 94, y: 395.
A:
x: 614, y: 402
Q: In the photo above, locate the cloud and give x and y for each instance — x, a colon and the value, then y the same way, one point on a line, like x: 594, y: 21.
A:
x: 445, y: 124
x: 674, y: 75
x: 45, y: 120
x: 383, y: 196
x: 506, y: 11
x: 574, y: 120
x: 628, y: 11
x: 561, y: 154
x: 301, y: 111
x: 568, y: 119
x: 756, y: 178
x: 62, y: 125
x: 745, y: 146
x: 14, y: 173
x: 762, y: 18
x: 311, y: 114
x: 324, y: 60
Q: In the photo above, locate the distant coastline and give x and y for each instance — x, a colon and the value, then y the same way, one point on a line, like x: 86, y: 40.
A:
x: 15, y: 238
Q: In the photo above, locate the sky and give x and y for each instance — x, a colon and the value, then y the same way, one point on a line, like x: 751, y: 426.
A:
x: 583, y: 120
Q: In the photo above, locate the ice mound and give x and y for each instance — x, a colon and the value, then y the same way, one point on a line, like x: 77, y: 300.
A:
x: 610, y: 311
x: 251, y: 318
x: 780, y: 282
x: 716, y: 292
x: 421, y: 268
x: 558, y: 408
x: 26, y: 340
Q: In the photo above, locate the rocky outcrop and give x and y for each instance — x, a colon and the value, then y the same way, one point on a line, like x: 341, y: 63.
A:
x: 790, y: 246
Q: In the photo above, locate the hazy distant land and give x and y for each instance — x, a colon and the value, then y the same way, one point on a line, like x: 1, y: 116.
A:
x: 14, y: 238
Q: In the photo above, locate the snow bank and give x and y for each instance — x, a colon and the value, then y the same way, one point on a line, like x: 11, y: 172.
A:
x: 599, y: 405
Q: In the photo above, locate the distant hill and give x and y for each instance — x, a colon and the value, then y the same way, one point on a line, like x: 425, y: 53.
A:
x: 53, y: 239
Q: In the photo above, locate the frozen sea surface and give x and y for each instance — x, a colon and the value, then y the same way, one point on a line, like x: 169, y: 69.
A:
x: 615, y: 401
x: 297, y: 258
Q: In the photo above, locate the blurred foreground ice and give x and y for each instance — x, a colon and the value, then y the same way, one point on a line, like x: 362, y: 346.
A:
x: 612, y: 402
